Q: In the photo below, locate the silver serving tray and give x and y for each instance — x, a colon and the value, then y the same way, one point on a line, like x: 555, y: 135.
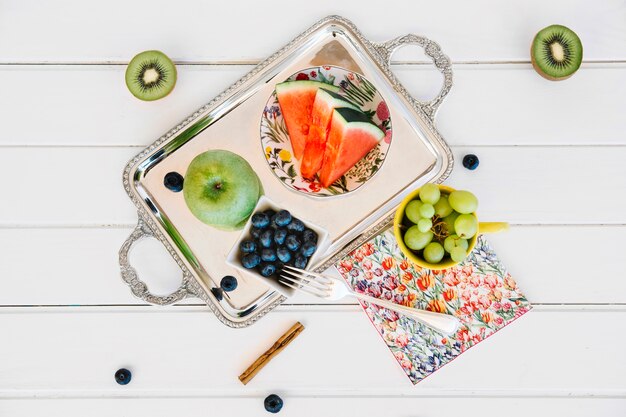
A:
x: 418, y: 154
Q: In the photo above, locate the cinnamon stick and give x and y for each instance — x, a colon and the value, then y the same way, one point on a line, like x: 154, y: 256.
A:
x: 276, y: 348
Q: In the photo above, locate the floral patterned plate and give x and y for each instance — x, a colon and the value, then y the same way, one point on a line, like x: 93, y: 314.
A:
x: 277, y: 146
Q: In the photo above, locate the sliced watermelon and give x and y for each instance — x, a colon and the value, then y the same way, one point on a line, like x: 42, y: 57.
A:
x: 323, y: 106
x: 352, y: 135
x: 296, y: 102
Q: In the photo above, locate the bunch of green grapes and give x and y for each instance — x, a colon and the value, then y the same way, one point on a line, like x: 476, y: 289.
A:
x: 441, y: 225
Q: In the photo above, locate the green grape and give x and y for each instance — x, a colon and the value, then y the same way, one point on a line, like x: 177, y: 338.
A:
x: 429, y: 193
x: 412, y: 210
x: 442, y: 207
x: 449, y: 221
x: 462, y: 243
x: 463, y: 201
x: 433, y: 253
x: 466, y: 225
x: 427, y: 211
x: 424, y: 225
x: 416, y: 240
x: 454, y: 241
x: 450, y: 243
x: 458, y: 254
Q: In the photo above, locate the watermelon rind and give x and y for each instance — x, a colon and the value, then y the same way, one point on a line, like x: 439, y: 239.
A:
x: 357, y: 118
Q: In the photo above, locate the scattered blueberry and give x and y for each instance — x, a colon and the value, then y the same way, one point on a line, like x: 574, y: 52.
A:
x: 273, y: 403
x: 247, y: 246
x: 266, y: 238
x: 279, y: 236
x: 309, y: 236
x: 296, y: 225
x: 255, y: 232
x: 228, y: 283
x: 267, y: 269
x: 282, y: 218
x: 123, y: 377
x: 268, y: 255
x: 293, y: 243
x: 173, y: 181
x: 283, y: 254
x: 250, y: 260
x: 470, y: 161
x: 307, y: 249
x: 300, y: 261
x: 217, y: 293
x: 260, y: 220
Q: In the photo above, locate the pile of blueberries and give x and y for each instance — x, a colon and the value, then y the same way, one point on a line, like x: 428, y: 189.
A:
x: 277, y: 239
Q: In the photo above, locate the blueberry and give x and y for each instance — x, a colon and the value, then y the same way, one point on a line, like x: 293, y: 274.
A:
x: 283, y: 254
x: 255, y: 232
x: 307, y: 249
x: 279, y: 266
x: 293, y: 243
x: 470, y: 161
x: 266, y: 238
x: 309, y: 236
x: 300, y: 261
x: 173, y: 181
x: 267, y: 269
x: 217, y: 293
x: 273, y: 403
x: 269, y: 213
x: 247, y: 246
x: 279, y: 236
x: 250, y: 260
x: 123, y: 376
x: 260, y: 220
x: 296, y: 225
x: 282, y: 218
x: 228, y: 283
x: 268, y: 255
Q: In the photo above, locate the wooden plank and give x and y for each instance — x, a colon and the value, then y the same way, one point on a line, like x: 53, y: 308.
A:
x: 315, y: 407
x: 207, y: 31
x: 185, y: 352
x: 526, y: 185
x: 79, y: 266
x: 488, y: 105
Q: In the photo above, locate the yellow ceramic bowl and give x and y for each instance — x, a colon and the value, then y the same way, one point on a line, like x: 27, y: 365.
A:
x: 483, y: 227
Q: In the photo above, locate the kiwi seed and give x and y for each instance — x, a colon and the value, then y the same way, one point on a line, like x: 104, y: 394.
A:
x: 150, y: 75
x: 556, y: 52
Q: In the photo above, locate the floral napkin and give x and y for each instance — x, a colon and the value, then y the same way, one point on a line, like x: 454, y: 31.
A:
x: 479, y: 291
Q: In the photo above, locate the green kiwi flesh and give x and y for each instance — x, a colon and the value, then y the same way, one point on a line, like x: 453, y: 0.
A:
x: 556, y: 52
x: 150, y: 75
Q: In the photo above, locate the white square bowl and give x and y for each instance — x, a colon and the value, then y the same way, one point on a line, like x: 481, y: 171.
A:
x: 264, y: 203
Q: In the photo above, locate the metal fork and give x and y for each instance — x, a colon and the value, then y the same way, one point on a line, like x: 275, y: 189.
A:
x: 331, y: 288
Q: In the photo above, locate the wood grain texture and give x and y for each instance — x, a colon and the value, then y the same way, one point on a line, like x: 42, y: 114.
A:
x: 79, y: 266
x: 488, y: 104
x: 176, y: 352
x: 551, y: 163
x: 485, y: 30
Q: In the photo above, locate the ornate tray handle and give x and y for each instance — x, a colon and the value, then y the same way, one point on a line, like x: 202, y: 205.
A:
x: 137, y: 286
x: 432, y: 49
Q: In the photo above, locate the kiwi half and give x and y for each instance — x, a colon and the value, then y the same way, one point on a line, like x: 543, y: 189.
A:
x: 556, y: 52
x: 150, y: 75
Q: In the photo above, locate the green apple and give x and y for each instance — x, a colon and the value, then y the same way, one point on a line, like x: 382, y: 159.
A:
x: 221, y: 189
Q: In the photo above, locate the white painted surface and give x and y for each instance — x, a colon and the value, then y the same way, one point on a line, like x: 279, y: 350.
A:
x: 552, y: 163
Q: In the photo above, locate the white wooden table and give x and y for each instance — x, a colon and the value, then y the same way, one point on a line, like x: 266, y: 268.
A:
x: 553, y: 163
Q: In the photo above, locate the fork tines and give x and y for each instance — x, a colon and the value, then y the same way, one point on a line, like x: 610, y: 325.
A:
x: 309, y: 282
